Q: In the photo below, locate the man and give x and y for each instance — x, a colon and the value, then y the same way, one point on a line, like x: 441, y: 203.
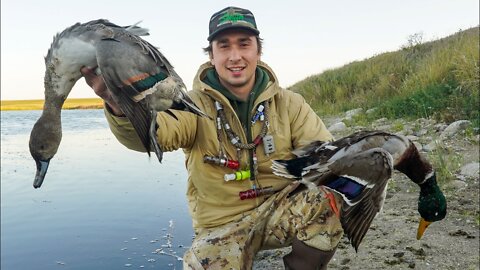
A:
x: 238, y: 206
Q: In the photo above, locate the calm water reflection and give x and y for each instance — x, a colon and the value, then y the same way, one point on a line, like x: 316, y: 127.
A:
x: 101, y: 206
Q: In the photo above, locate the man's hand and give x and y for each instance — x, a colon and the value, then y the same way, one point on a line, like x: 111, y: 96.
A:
x: 98, y: 85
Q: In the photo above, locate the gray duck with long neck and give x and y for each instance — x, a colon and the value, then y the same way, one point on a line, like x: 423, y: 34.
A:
x: 140, y: 79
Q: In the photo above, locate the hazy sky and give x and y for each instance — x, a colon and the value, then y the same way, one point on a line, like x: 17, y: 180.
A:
x: 301, y: 38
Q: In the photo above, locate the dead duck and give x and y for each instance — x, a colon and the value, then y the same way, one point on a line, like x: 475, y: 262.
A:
x: 358, y: 168
x: 141, y: 80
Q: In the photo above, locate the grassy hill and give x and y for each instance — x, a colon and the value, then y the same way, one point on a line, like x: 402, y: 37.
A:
x: 438, y: 79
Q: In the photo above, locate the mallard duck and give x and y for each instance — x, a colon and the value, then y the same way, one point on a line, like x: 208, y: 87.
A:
x: 358, y: 167
x: 140, y: 78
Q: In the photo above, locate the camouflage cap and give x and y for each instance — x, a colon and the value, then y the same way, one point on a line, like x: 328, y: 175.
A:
x: 232, y: 17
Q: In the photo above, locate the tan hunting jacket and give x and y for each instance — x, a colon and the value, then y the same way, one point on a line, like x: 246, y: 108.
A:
x: 213, y: 201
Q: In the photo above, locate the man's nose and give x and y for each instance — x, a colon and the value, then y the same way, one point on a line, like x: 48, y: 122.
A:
x: 234, y: 54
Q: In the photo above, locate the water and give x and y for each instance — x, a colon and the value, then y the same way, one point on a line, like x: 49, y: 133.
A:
x: 101, y: 205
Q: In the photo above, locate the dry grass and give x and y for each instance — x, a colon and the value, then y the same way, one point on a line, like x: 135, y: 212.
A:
x: 37, y: 104
x: 437, y: 79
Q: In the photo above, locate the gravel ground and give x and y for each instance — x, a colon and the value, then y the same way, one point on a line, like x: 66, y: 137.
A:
x: 452, y: 243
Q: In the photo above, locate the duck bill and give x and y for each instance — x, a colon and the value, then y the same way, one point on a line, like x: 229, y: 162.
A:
x: 42, y: 167
x: 422, y: 226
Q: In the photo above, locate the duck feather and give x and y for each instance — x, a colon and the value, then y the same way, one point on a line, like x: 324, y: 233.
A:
x: 140, y: 79
x: 362, y: 162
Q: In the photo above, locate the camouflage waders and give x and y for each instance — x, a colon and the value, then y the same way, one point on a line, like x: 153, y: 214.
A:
x: 306, y: 215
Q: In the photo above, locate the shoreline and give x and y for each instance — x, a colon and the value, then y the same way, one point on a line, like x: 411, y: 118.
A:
x: 37, y: 104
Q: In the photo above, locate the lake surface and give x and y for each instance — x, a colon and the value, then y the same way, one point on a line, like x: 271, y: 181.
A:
x: 101, y: 205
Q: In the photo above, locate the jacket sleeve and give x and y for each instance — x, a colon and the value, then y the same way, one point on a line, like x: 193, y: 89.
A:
x: 172, y: 134
x: 305, y: 124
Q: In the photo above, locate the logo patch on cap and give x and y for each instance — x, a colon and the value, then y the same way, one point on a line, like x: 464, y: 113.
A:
x: 230, y: 17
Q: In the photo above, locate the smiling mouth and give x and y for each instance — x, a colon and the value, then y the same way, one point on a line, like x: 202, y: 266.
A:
x: 236, y: 69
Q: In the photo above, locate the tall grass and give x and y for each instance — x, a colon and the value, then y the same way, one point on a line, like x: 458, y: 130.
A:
x: 433, y: 79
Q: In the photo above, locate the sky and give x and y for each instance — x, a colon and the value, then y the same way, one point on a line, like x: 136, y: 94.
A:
x: 301, y: 37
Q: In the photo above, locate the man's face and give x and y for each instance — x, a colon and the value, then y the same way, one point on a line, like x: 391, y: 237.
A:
x: 235, y: 56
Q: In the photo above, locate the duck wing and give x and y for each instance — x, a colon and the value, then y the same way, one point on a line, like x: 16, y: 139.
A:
x: 141, y: 81
x: 127, y: 72
x: 312, y: 156
x: 362, y: 183
x: 135, y: 71
x: 146, y: 73
x: 324, y: 150
x: 135, y: 68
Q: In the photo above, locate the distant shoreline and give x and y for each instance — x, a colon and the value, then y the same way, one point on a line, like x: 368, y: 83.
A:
x: 37, y: 104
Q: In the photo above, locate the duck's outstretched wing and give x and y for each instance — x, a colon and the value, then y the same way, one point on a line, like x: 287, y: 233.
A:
x: 362, y: 183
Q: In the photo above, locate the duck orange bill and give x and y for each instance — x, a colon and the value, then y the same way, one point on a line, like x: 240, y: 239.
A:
x: 422, y: 226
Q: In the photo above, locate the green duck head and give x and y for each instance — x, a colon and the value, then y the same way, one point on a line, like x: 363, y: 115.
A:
x: 432, y: 204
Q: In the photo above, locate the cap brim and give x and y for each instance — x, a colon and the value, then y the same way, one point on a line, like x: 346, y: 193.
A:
x: 240, y: 27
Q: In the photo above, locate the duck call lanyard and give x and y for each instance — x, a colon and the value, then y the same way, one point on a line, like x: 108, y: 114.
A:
x: 221, y: 119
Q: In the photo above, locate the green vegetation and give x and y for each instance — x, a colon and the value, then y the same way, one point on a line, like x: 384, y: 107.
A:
x: 438, y: 79
x: 446, y: 162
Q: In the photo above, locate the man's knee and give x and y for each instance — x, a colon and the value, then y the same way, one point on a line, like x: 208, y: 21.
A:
x: 306, y: 257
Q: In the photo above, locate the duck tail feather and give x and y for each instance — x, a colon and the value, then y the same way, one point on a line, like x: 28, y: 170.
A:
x: 279, y: 167
x: 137, y: 30
x: 169, y: 112
x: 190, y: 106
x: 292, y: 168
x: 184, y: 102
